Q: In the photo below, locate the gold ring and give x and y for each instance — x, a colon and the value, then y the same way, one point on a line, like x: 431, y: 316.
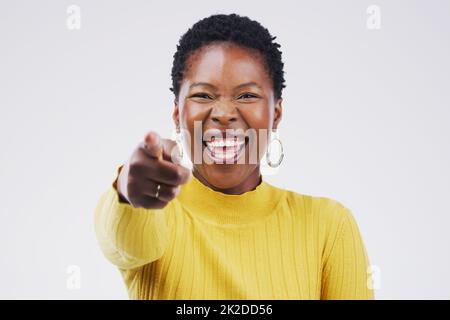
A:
x: 157, y: 191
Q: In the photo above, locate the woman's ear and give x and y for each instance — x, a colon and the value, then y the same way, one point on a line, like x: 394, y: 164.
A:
x: 176, y: 116
x: 277, y: 113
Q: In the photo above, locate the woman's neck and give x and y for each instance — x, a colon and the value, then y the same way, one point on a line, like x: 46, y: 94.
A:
x: 248, y: 184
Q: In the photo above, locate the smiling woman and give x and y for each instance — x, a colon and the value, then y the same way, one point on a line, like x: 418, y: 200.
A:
x: 224, y: 232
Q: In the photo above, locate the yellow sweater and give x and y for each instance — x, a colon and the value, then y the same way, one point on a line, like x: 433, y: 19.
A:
x: 268, y: 243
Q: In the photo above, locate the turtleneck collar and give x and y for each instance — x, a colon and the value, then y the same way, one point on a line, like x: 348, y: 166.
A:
x: 216, y: 207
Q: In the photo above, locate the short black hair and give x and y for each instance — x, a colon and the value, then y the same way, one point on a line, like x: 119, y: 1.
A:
x: 232, y: 28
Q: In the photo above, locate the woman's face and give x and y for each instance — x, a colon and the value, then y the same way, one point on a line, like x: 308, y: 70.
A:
x: 225, y: 92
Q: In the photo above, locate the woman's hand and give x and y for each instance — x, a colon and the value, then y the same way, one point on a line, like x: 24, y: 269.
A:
x: 153, y: 163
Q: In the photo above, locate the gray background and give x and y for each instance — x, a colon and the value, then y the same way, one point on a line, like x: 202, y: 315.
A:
x: 366, y: 122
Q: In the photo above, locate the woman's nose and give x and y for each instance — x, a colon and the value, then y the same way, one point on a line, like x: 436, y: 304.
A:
x: 224, y: 119
x: 224, y: 114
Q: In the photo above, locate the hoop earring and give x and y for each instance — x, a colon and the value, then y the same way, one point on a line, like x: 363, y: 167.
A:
x: 270, y: 163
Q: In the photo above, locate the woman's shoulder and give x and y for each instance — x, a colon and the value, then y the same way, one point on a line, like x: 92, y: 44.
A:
x: 320, y: 217
x: 317, y: 208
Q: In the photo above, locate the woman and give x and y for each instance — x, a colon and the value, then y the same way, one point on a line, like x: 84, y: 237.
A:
x: 222, y: 231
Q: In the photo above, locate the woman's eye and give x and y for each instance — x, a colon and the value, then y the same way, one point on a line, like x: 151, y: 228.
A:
x: 248, y: 96
x: 201, y: 95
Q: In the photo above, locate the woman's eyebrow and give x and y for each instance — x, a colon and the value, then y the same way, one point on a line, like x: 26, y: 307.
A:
x: 247, y: 84
x: 198, y: 84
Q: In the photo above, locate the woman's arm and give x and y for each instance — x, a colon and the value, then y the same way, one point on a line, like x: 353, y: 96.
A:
x: 345, y: 270
x: 130, y: 219
x: 129, y: 237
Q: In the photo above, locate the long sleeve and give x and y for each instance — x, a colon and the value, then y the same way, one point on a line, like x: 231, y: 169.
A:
x: 129, y: 237
x: 345, y: 272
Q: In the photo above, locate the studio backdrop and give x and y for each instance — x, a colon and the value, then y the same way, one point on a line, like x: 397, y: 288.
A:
x: 366, y: 120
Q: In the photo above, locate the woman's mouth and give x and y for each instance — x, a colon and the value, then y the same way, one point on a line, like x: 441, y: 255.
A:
x: 225, y: 150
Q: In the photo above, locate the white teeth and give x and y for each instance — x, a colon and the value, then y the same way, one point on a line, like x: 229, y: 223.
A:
x: 223, y: 149
x: 224, y: 143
